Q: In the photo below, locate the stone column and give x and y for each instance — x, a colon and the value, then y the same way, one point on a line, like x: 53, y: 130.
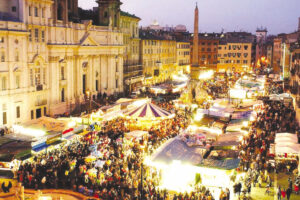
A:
x: 110, y: 74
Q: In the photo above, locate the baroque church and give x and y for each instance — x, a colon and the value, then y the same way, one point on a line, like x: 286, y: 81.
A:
x: 54, y: 55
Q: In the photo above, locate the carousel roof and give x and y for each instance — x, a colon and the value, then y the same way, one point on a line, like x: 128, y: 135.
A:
x: 148, y: 110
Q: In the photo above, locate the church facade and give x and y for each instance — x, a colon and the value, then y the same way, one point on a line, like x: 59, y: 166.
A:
x: 50, y: 60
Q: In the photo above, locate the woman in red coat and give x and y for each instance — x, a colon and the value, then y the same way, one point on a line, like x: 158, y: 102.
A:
x: 283, y: 193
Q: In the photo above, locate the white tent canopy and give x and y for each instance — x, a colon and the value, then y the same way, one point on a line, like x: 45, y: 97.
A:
x: 291, y: 149
x: 286, y: 143
x: 282, y: 138
x: 289, y: 135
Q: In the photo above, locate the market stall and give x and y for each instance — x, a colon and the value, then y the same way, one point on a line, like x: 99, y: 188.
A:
x: 43, y: 132
x: 180, y: 165
x: 286, y: 148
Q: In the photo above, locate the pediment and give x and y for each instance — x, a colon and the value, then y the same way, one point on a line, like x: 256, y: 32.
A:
x: 87, y: 40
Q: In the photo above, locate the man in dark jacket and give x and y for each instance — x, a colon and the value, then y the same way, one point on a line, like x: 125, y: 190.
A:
x: 288, y: 193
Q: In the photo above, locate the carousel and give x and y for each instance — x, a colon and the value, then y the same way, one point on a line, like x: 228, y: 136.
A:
x: 145, y: 116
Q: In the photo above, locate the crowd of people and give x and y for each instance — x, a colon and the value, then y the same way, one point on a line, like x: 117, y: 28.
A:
x: 276, y: 117
x: 101, y: 164
x: 117, y: 172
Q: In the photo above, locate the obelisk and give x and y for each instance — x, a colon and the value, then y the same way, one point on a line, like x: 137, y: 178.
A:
x: 195, y: 58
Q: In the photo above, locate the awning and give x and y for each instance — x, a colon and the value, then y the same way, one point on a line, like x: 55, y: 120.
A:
x: 40, y: 147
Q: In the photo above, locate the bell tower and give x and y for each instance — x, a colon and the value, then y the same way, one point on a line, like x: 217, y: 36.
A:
x: 109, y: 13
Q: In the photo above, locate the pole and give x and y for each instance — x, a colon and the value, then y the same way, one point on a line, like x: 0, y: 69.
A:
x: 90, y: 103
x: 141, y: 181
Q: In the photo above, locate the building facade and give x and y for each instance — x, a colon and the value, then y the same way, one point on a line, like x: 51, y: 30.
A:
x: 158, y: 56
x: 133, y: 69
x: 49, y: 63
x: 234, y: 56
x: 277, y: 55
x: 260, y: 44
x: 295, y: 76
x: 183, y: 57
x: 208, y: 50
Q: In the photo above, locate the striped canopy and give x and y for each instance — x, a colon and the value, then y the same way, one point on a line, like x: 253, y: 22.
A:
x: 148, y: 111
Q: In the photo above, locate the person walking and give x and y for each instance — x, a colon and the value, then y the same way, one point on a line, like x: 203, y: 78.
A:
x: 283, y: 194
x: 278, y: 192
x: 288, y: 193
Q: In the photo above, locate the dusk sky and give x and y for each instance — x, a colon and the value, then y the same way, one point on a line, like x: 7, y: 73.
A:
x: 277, y: 16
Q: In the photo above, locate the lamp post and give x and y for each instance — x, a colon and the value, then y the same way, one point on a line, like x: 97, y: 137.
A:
x: 88, y: 97
x: 141, y: 181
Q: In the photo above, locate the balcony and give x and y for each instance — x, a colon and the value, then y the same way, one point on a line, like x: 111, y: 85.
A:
x: 63, y: 82
x: 39, y: 87
x: 41, y: 102
x: 132, y: 68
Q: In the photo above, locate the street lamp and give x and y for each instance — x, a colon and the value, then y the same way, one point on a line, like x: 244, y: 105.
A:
x: 88, y: 97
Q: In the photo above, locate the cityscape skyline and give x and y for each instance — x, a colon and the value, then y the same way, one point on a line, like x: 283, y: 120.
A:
x: 247, y: 15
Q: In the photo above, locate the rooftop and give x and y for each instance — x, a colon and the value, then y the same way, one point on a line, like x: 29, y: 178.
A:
x: 126, y: 14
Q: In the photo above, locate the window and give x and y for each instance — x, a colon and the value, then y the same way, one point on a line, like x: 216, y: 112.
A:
x: 29, y: 10
x: 44, y: 75
x: 245, y: 61
x: 209, y: 44
x: 209, y: 49
x: 209, y: 56
x: 36, y: 35
x: 245, y: 55
x: 18, y: 113
x: 43, y: 36
x: 62, y: 73
x: 63, y: 95
x: 30, y: 36
x: 32, y: 114
x: 4, y: 117
x: 17, y: 56
x: 2, y: 56
x: 45, y: 111
x: 18, y: 81
x: 202, y: 49
x: 97, y: 85
x: 117, y: 83
x: 229, y: 47
x: 43, y: 12
x: 14, y: 9
x: 246, y: 47
x: 238, y: 61
x: 31, y: 77
x: 203, y: 43
x: 117, y: 67
x: 2, y: 40
x: 3, y: 83
x: 36, y: 12
x: 37, y: 76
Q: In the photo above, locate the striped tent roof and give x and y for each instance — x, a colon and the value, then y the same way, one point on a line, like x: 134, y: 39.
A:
x: 148, y: 110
